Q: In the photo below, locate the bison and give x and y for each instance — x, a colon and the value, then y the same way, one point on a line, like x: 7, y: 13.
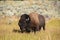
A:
x: 31, y: 22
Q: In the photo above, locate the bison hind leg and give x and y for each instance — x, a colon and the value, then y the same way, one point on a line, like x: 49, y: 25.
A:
x: 44, y: 27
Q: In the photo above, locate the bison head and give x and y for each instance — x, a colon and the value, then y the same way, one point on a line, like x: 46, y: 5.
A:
x: 23, y: 22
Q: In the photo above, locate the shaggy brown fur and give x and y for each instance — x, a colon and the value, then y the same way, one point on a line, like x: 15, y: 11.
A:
x: 34, y: 21
x: 34, y: 18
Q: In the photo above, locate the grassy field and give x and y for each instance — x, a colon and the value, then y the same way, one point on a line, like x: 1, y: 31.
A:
x: 7, y: 32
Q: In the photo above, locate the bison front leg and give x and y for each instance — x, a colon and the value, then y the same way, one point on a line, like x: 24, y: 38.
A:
x: 34, y: 29
x: 28, y: 29
x: 22, y: 29
x: 37, y: 28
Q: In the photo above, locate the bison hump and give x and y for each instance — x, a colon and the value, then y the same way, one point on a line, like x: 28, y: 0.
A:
x: 34, y: 18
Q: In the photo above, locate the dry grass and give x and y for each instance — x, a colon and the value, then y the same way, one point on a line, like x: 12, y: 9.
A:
x: 52, y: 31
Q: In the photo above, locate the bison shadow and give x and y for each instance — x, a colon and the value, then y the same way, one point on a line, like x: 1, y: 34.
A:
x: 15, y: 30
x: 19, y: 31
